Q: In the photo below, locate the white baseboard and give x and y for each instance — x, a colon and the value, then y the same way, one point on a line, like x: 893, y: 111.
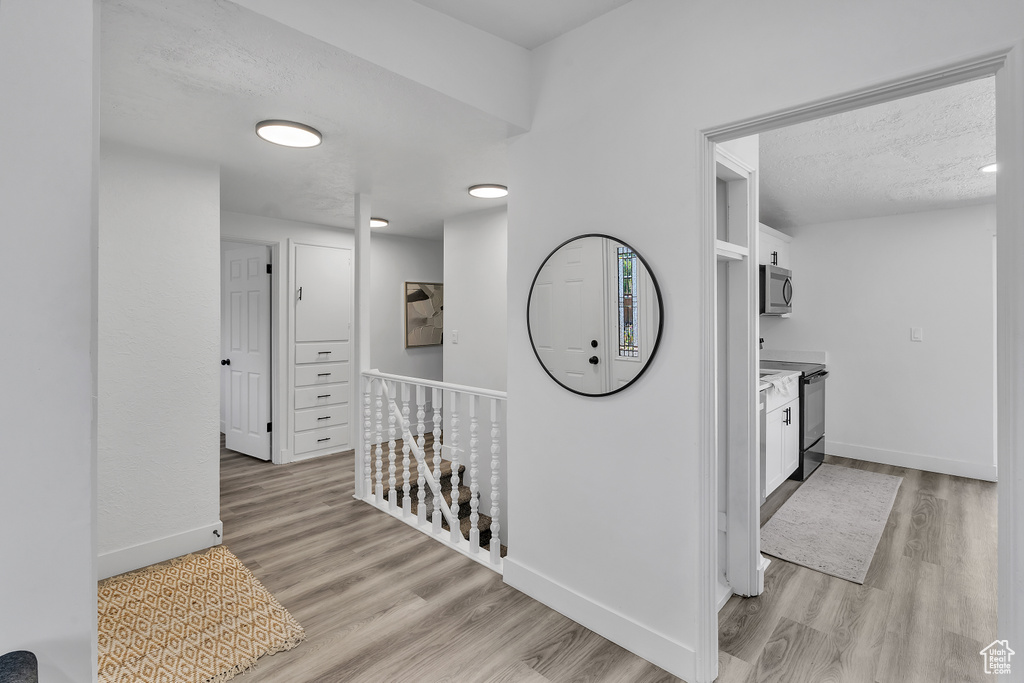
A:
x: 674, y: 657
x: 917, y: 461
x: 318, y: 454
x: 151, y: 552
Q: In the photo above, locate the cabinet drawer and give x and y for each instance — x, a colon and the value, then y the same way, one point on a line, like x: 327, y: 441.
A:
x: 325, y: 352
x: 322, y: 373
x: 326, y: 395
x: 327, y: 416
x: 318, y: 439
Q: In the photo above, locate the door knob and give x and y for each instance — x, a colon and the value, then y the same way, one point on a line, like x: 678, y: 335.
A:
x: 226, y: 362
x: 594, y: 360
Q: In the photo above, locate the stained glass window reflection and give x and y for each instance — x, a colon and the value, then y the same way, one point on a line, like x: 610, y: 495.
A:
x: 629, y: 309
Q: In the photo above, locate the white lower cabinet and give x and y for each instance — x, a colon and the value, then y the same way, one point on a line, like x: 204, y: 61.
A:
x: 782, y: 444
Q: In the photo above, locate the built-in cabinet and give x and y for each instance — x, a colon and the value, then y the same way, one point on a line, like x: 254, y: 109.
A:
x: 322, y: 338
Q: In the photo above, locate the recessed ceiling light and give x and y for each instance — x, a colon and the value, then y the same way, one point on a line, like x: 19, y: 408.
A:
x: 288, y: 133
x: 988, y: 168
x: 489, y: 191
x: 378, y: 222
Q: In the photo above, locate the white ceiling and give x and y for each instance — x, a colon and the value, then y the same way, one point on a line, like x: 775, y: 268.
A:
x: 916, y: 154
x: 192, y: 77
x: 527, y: 23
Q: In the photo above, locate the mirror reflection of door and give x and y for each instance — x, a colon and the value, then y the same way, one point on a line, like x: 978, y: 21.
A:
x: 568, y: 315
x: 594, y: 315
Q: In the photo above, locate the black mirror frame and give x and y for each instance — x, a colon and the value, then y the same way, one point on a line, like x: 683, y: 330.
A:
x: 661, y: 314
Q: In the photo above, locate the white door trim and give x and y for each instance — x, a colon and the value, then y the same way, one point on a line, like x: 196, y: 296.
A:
x: 744, y: 567
x: 1008, y: 66
x: 278, y: 391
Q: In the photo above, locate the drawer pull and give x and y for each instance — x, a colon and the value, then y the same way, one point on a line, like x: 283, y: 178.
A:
x: 323, y: 374
x: 324, y: 439
x: 321, y: 353
x: 325, y: 417
x: 324, y: 396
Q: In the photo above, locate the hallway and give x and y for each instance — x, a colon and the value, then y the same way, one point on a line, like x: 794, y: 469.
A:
x: 382, y: 602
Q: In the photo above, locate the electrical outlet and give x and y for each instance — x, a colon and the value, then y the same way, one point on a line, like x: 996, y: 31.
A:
x: 916, y: 334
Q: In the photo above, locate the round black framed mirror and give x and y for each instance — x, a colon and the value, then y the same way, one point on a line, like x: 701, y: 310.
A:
x: 594, y: 315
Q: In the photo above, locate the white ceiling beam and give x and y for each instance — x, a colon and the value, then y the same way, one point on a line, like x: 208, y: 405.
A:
x: 420, y: 44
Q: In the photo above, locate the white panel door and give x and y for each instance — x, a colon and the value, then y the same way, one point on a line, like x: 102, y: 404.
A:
x: 323, y: 296
x: 246, y: 343
x: 567, y: 316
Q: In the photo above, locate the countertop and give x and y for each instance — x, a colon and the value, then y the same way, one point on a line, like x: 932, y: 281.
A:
x: 766, y: 379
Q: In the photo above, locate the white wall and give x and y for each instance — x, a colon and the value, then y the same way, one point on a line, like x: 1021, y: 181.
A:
x: 158, y: 355
x: 423, y: 44
x: 394, y: 261
x: 614, y: 148
x: 47, y: 270
x: 475, y: 265
x: 860, y: 286
x: 475, y: 257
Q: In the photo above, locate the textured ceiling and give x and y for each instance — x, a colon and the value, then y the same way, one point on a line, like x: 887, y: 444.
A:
x: 527, y: 23
x: 915, y: 154
x: 192, y: 78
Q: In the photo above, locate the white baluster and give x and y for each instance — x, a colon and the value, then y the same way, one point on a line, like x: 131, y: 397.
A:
x: 495, y: 479
x: 435, y: 399
x: 406, y: 498
x: 392, y: 498
x: 474, y: 485
x: 421, y: 468
x: 367, y: 436
x: 454, y: 450
x: 380, y: 442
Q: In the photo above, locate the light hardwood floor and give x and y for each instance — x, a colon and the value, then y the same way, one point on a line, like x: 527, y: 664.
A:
x: 382, y: 602
x: 927, y: 606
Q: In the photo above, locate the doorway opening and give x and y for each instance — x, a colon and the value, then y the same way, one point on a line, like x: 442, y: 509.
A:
x: 713, y: 429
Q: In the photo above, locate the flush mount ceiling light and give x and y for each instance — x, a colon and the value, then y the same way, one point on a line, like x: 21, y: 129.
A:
x: 488, y: 191
x: 988, y: 168
x: 378, y: 222
x: 288, y: 133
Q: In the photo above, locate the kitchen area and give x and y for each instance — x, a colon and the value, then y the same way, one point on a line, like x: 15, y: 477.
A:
x: 791, y: 386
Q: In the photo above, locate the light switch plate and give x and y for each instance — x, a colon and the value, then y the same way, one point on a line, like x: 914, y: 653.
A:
x: 916, y: 334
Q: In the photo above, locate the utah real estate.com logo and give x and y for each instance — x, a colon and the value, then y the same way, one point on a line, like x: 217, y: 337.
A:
x: 997, y: 657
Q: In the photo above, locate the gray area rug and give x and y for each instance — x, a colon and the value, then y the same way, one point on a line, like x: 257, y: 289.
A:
x: 832, y: 523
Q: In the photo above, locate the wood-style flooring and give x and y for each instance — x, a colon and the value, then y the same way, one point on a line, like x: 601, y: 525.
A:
x: 926, y: 609
x: 382, y: 602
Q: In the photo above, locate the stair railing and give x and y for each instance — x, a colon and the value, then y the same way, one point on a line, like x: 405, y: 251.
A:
x: 392, y: 394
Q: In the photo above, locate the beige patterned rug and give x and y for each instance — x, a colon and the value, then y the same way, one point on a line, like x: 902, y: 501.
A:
x: 200, y: 618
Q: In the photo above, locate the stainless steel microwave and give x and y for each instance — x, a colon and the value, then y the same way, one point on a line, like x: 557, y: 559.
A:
x: 776, y: 290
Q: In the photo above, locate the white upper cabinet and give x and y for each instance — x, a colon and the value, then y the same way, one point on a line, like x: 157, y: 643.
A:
x: 773, y: 242
x: 323, y: 293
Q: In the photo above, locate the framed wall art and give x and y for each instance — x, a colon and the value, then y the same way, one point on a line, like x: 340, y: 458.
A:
x: 424, y: 313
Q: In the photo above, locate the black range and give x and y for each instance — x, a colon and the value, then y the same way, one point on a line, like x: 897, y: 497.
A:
x: 812, y: 413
